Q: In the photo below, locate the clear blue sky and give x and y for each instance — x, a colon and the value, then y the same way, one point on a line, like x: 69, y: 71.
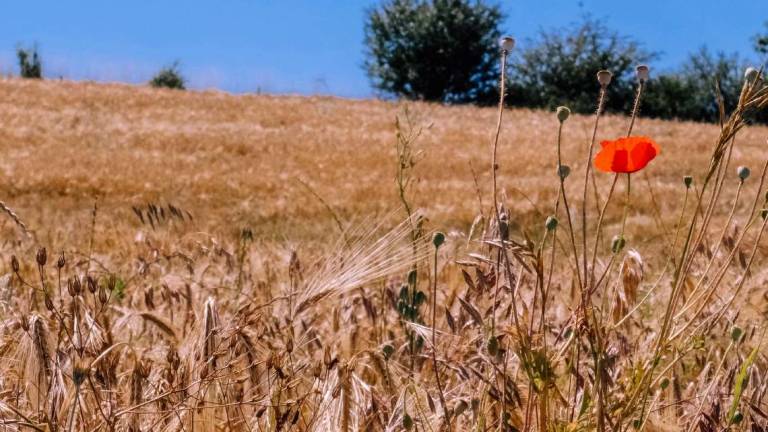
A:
x: 314, y: 46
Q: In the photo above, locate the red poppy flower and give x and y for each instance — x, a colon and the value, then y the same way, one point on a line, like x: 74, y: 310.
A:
x: 626, y: 155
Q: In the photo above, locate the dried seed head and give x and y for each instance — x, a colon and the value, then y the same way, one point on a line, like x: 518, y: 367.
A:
x: 604, y: 78
x: 61, y: 262
x: 42, y: 256
x: 642, y: 72
x: 631, y: 275
x: 103, y: 295
x: 77, y: 286
x: 71, y: 287
x: 49, y: 303
x: 92, y: 286
x: 743, y: 172
x: 563, y: 171
x: 751, y: 74
x: 688, y: 180
x: 14, y: 264
x: 327, y: 356
x: 551, y: 223
x: 507, y: 43
x: 563, y: 112
x: 289, y: 346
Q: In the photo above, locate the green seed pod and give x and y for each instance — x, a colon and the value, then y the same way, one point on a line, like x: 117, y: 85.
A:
x: 737, y: 417
x: 664, y: 383
x: 438, y: 239
x: 736, y: 333
x: 388, y: 350
x: 563, y: 171
x: 617, y: 244
x: 743, y: 172
x: 563, y: 112
x: 407, y: 422
x: 688, y: 180
x: 551, y: 223
x: 493, y: 345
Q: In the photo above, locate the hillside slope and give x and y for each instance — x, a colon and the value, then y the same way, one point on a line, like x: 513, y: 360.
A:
x: 236, y: 161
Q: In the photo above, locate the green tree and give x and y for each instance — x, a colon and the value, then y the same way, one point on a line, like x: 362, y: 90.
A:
x: 559, y: 67
x: 435, y: 50
x: 692, y: 92
x: 30, y: 65
x: 760, y: 41
x: 169, y: 77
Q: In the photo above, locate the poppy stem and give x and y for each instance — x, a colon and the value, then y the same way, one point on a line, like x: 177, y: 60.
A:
x: 635, y: 107
x: 599, y: 228
x: 626, y: 205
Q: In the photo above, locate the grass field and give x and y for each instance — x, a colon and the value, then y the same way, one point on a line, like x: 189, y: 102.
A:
x: 270, y: 295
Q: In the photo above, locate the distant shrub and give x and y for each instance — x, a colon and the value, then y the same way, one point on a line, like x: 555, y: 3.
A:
x: 435, y: 50
x: 558, y: 68
x: 30, y: 65
x: 692, y: 92
x: 760, y: 41
x: 169, y: 77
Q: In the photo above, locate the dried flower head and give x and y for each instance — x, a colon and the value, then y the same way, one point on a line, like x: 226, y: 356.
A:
x: 507, y: 43
x: 751, y: 74
x: 42, y: 256
x: 563, y: 112
x: 643, y: 73
x: 604, y: 78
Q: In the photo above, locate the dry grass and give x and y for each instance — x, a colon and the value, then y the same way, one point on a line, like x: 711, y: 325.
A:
x: 241, y: 306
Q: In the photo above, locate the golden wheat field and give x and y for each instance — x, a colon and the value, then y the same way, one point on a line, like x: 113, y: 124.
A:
x: 201, y: 261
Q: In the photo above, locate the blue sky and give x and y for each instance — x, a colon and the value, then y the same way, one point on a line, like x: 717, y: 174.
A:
x: 309, y: 47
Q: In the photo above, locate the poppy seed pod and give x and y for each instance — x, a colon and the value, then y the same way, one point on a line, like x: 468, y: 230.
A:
x: 688, y: 180
x: 563, y: 112
x: 617, y: 244
x: 438, y: 239
x: 563, y: 171
x: 743, y: 172
x: 751, y: 74
x: 642, y: 72
x: 551, y: 223
x: 604, y: 78
x: 507, y: 43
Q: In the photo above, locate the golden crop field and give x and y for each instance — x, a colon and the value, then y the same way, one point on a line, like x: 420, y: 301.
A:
x: 239, y: 161
x: 204, y: 261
